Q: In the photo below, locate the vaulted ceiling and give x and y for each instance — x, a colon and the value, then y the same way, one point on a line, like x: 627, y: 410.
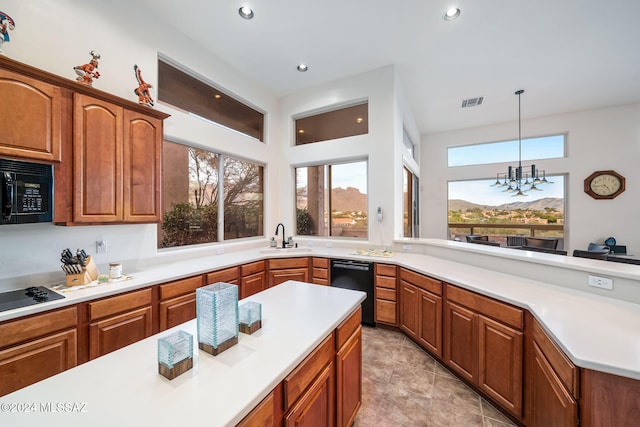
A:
x: 568, y: 55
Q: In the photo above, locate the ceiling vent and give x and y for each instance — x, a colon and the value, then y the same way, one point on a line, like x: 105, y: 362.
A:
x: 472, y: 102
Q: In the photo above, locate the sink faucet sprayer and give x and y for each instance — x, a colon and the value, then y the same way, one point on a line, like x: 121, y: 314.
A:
x: 284, y: 239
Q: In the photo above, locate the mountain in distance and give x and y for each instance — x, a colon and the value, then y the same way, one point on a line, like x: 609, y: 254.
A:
x: 539, y: 205
x: 349, y: 199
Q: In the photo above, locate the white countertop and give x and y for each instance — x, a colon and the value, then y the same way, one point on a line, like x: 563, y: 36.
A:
x: 596, y: 332
x: 124, y: 388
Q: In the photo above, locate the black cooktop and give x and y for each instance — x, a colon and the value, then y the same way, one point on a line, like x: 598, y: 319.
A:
x: 25, y: 297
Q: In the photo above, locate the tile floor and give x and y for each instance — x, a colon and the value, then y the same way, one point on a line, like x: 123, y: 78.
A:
x: 402, y: 386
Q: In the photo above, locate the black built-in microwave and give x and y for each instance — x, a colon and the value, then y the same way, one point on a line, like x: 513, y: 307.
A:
x: 26, y: 192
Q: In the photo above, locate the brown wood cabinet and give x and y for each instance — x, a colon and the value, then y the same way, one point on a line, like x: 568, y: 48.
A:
x: 484, y: 344
x: 118, y: 321
x: 178, y: 301
x: 30, y: 118
x: 283, y: 269
x: 348, y: 369
x: 268, y: 413
x: 252, y: 278
x: 552, y: 383
x: 116, y: 165
x: 421, y: 313
x: 320, y: 271
x: 386, y: 307
x: 37, y: 347
x: 608, y: 400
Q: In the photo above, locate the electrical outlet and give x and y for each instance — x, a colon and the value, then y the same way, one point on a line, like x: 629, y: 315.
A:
x: 601, y: 282
x: 219, y: 251
x: 406, y: 247
x: 101, y: 246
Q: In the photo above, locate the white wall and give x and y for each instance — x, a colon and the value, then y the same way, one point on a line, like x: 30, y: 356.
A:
x: 601, y: 139
x: 56, y: 35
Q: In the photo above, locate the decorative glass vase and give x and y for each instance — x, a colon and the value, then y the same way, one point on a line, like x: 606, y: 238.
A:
x: 250, y: 317
x: 175, y: 354
x: 217, y: 317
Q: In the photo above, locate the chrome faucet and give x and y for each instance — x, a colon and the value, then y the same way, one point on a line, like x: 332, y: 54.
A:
x: 284, y: 239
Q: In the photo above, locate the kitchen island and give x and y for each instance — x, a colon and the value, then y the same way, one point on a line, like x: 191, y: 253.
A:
x: 124, y: 387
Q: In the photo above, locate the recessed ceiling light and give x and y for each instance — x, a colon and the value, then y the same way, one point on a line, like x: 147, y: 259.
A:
x: 359, y: 120
x: 302, y: 68
x: 451, y: 14
x: 217, y: 96
x: 246, y: 12
x: 301, y: 131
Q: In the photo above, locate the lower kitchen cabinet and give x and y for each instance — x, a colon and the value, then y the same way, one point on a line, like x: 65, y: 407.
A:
x: 316, y: 406
x: 484, y: 344
x: 386, y: 294
x: 119, y: 321
x: 283, y: 269
x: 36, y: 348
x: 178, y: 301
x: 268, y: 413
x: 349, y: 379
x: 421, y: 310
x: 320, y: 271
x: 252, y: 278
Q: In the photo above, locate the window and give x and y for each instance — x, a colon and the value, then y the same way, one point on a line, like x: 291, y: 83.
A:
x: 547, y: 147
x: 199, y: 99
x: 410, y: 203
x: 340, y: 123
x: 331, y: 200
x: 191, y: 197
x: 477, y: 207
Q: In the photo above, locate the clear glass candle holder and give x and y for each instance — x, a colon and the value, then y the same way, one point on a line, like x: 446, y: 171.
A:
x: 250, y: 317
x: 175, y: 354
x: 217, y: 317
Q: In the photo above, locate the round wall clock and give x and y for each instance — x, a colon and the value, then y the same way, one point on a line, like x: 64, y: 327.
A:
x: 604, y: 184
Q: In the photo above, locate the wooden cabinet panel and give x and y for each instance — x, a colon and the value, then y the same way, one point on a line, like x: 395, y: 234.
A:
x: 30, y: 118
x: 385, y: 294
x: 566, y: 371
x: 36, y: 360
x: 177, y: 310
x: 497, y: 310
x: 282, y: 263
x: 251, y: 268
x: 608, y: 400
x: 349, y: 379
x: 420, y: 281
x: 268, y: 413
x: 97, y: 160
x: 430, y: 322
x: 552, y: 405
x: 228, y: 275
x: 317, y: 406
x: 252, y: 284
x: 115, y: 332
x: 179, y: 287
x: 297, y: 381
x: 280, y: 276
x: 141, y: 167
x: 320, y: 273
x: 16, y: 331
x: 386, y: 312
x: 120, y: 303
x: 320, y: 262
x: 500, y: 363
x: 409, y: 310
x: 348, y: 327
x: 461, y: 341
x: 386, y: 282
x: 385, y: 270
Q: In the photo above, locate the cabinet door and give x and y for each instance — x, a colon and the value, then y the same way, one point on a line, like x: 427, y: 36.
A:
x: 113, y: 333
x: 30, y: 118
x: 280, y: 276
x: 552, y: 405
x: 430, y: 326
x: 97, y: 153
x: 316, y: 407
x: 252, y: 284
x: 410, y: 298
x: 461, y: 341
x: 36, y: 360
x: 501, y: 360
x: 141, y: 167
x: 268, y: 413
x: 349, y: 379
x: 177, y: 310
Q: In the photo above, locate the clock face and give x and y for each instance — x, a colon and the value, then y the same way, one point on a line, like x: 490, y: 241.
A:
x: 604, y: 184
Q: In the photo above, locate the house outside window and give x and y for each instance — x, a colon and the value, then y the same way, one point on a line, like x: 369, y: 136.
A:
x: 331, y: 200
x: 192, y: 199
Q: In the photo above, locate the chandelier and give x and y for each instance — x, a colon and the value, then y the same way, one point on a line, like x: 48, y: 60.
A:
x: 519, y: 179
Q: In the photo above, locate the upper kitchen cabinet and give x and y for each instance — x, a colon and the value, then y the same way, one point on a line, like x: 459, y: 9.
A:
x: 114, y: 174
x: 30, y: 118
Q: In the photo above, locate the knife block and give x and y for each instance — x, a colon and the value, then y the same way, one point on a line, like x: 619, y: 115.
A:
x: 89, y: 274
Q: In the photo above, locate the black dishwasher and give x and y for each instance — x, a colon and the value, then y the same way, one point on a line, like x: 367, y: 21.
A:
x: 356, y: 275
